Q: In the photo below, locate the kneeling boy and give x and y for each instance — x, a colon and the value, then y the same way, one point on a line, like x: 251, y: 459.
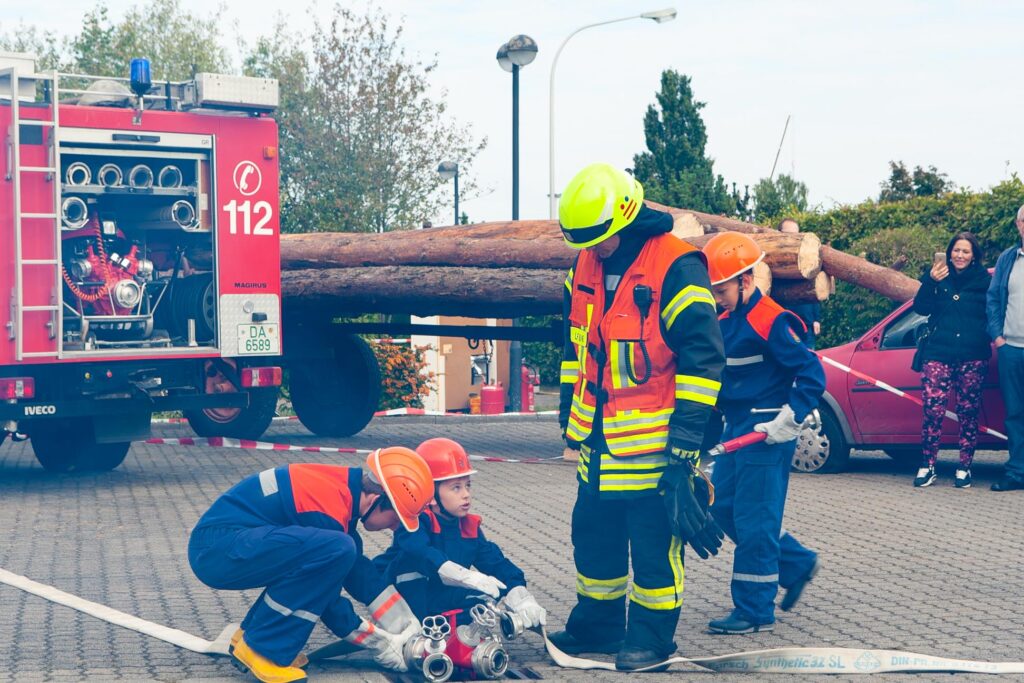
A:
x: 292, y: 531
x: 432, y: 566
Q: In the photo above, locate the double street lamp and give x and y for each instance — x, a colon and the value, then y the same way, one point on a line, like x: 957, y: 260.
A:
x: 518, y: 52
x: 658, y: 16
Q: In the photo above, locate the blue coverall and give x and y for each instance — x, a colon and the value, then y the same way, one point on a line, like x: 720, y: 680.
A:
x: 412, y: 561
x: 767, y: 365
x: 291, y: 531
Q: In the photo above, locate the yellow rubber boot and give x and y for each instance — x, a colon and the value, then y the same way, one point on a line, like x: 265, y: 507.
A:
x: 247, y: 659
x: 301, y: 660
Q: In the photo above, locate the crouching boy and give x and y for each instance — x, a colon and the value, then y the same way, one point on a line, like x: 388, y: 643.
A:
x: 432, y: 567
x: 292, y: 531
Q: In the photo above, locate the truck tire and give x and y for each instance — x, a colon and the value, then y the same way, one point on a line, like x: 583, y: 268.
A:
x: 822, y: 451
x: 238, y: 423
x: 337, y: 394
x: 69, y: 446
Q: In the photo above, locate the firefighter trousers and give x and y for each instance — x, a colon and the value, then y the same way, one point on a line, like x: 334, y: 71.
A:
x: 606, y: 534
x: 750, y: 497
x: 301, y: 570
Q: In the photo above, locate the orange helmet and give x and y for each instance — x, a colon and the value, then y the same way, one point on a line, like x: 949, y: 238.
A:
x: 729, y: 254
x: 406, y: 481
x: 445, y: 458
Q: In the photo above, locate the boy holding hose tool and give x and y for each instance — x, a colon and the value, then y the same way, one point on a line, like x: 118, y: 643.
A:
x: 771, y: 383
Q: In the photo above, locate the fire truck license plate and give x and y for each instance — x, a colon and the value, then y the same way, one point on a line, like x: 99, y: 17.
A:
x: 265, y: 338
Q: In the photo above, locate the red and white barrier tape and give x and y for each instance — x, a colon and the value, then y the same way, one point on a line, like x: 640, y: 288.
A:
x: 380, y: 413
x: 898, y: 392
x: 227, y: 442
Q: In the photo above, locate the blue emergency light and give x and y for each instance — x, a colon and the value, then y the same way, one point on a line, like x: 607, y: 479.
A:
x: 140, y: 76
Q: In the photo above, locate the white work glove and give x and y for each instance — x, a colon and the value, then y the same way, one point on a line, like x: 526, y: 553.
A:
x: 783, y: 428
x: 453, y: 574
x: 387, y: 648
x: 524, y: 604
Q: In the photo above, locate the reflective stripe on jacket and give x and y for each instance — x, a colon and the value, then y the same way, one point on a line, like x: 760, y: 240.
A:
x: 635, y: 417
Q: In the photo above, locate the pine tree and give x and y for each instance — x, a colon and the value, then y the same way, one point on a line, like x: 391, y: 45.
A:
x: 675, y: 170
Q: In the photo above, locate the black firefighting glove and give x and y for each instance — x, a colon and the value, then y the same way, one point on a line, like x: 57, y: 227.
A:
x: 686, y: 495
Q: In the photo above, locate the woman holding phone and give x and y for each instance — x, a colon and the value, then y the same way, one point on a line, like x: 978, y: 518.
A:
x: 956, y: 352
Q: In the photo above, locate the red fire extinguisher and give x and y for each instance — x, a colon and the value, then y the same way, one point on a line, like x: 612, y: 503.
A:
x: 529, y: 379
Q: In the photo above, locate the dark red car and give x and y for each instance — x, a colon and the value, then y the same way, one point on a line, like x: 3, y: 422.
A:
x: 857, y: 414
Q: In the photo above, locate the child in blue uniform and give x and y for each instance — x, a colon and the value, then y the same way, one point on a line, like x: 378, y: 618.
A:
x: 768, y: 366
x: 433, y: 566
x: 292, y: 531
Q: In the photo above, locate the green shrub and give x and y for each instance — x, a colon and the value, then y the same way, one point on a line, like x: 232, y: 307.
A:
x: 909, y: 231
x: 544, y: 357
x: 403, y: 380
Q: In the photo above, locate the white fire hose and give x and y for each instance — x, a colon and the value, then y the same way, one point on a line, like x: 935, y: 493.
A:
x: 806, y: 660
x: 799, y: 660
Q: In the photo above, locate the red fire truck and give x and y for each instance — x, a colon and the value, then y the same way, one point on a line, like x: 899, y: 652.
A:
x: 141, y: 268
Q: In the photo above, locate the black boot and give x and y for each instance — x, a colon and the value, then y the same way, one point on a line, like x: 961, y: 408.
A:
x: 571, y: 645
x: 632, y: 658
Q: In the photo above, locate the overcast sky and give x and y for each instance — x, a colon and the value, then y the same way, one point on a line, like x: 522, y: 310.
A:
x: 929, y: 82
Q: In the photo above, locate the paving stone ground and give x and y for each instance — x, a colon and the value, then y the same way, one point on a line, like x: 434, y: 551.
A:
x: 935, y: 571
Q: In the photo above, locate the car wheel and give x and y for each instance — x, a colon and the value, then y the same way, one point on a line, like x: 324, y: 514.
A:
x: 823, y: 450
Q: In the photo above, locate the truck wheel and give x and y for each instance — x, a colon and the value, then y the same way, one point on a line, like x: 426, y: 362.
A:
x: 822, y: 451
x: 238, y: 423
x: 336, y: 395
x: 69, y: 446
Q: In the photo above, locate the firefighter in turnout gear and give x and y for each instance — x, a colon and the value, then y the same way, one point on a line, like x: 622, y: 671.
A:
x: 292, y: 532
x: 768, y: 366
x: 640, y: 376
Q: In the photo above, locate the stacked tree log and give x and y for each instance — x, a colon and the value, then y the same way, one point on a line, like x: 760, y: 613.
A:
x: 512, y: 269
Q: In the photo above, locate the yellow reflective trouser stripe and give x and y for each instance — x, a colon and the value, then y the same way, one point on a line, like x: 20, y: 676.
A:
x: 697, y: 389
x: 570, y: 371
x: 675, y: 559
x: 690, y: 294
x: 601, y: 589
x: 669, y: 597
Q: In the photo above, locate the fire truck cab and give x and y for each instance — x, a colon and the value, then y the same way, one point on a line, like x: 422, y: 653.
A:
x: 139, y: 224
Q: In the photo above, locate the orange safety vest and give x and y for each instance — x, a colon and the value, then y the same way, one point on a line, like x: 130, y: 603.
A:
x: 635, y: 417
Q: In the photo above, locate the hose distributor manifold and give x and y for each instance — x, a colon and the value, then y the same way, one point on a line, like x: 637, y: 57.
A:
x: 427, y: 650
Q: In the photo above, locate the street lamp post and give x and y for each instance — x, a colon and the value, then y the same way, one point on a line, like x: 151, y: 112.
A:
x: 658, y: 16
x: 518, y: 52
x: 449, y: 170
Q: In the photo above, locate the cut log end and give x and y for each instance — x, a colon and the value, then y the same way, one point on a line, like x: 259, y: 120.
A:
x: 802, y: 291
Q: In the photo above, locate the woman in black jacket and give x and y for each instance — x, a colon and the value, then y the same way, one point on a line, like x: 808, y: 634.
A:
x: 956, y: 352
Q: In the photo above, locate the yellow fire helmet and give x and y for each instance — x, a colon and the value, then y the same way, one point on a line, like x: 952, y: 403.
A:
x: 598, y: 202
